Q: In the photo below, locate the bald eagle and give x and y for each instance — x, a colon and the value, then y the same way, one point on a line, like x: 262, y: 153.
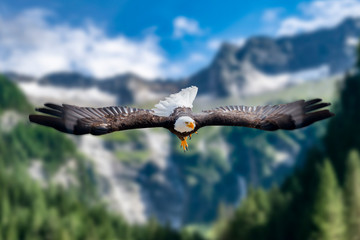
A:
x: 175, y: 114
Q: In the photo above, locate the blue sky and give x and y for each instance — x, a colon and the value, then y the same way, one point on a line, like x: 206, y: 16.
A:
x: 151, y: 38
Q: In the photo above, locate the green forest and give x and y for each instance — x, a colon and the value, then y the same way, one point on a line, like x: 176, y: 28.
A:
x: 319, y: 201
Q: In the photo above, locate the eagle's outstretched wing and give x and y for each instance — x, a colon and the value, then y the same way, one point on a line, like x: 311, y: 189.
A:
x: 284, y: 116
x: 96, y: 121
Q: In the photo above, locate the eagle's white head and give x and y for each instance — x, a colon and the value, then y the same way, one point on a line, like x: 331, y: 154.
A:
x: 184, y: 124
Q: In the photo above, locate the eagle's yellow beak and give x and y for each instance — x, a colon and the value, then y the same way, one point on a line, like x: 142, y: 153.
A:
x: 191, y: 125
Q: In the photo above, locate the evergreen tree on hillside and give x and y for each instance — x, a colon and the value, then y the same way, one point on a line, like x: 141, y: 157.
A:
x: 358, y: 57
x: 250, y: 219
x: 344, y: 126
x: 11, y: 97
x: 327, y: 214
x: 352, y: 196
x: 276, y: 228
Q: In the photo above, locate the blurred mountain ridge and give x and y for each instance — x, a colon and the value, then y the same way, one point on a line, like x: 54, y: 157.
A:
x: 260, y: 65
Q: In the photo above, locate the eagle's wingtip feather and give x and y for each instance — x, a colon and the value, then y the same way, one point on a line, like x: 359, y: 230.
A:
x: 47, y: 121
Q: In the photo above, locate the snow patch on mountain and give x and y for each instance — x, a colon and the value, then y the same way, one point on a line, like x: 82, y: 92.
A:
x: 116, y: 181
x: 281, y: 158
x: 37, y: 172
x: 159, y: 144
x: 352, y: 41
x: 162, y: 190
x: 38, y: 93
x: 310, y: 74
x: 259, y: 82
x: 138, y: 190
x: 64, y: 176
x: 143, y: 94
x: 9, y: 119
x: 242, y: 189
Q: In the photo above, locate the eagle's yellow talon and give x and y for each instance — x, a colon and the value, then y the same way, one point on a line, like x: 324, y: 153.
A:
x: 184, y: 144
x: 192, y: 134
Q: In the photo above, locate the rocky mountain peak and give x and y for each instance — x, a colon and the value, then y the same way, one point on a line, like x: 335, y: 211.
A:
x: 67, y: 79
x: 239, y: 71
x: 234, y: 68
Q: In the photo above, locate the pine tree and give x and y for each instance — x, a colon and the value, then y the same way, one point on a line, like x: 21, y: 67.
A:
x: 358, y: 56
x: 345, y: 125
x: 352, y: 195
x: 12, y: 232
x: 250, y: 219
x: 327, y: 214
x: 224, y: 215
x: 277, y: 225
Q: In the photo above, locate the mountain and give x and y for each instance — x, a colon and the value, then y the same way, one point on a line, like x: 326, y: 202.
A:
x: 262, y: 64
x: 265, y: 63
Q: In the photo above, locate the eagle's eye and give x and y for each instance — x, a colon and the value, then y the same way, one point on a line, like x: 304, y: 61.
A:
x: 186, y: 122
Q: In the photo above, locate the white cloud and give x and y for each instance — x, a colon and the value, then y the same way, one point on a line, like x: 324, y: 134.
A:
x: 319, y: 13
x: 271, y: 15
x: 352, y: 41
x: 197, y: 57
x: 193, y: 62
x: 214, y: 44
x: 186, y: 26
x: 29, y: 44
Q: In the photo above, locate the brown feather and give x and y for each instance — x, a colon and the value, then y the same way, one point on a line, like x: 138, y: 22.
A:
x: 284, y: 116
x: 96, y: 121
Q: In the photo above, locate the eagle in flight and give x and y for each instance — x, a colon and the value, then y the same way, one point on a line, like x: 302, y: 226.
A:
x: 175, y: 114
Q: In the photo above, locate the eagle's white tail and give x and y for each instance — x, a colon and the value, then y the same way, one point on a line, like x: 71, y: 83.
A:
x: 184, y: 98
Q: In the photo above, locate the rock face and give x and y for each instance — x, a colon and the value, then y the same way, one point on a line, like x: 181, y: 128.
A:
x: 128, y: 88
x: 232, y: 66
x: 260, y: 65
